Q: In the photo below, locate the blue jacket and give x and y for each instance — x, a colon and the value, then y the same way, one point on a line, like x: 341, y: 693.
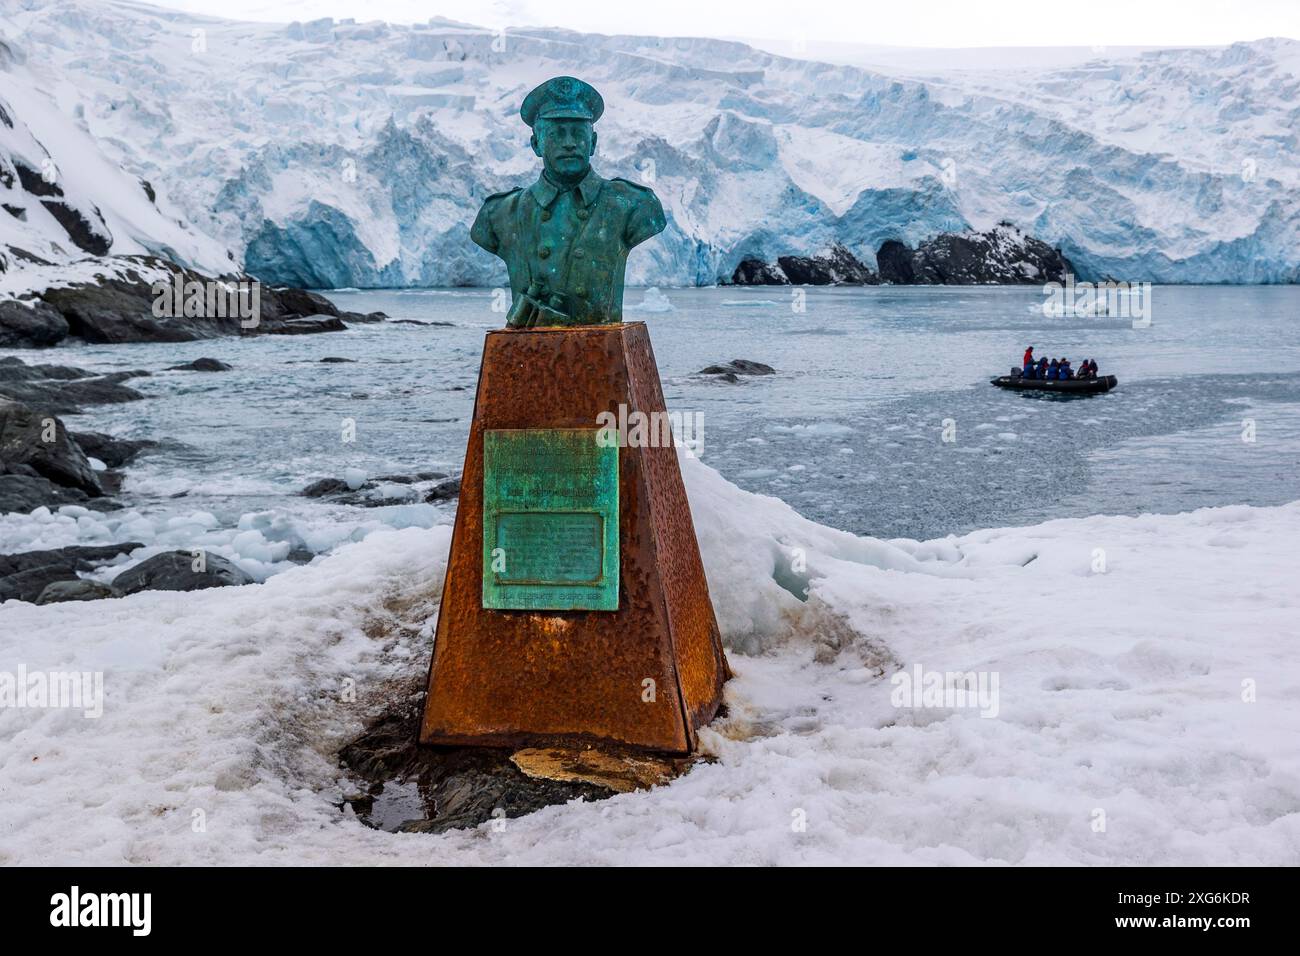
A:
x: 1051, y: 371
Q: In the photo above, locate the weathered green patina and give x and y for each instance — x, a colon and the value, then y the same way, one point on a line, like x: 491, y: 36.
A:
x: 565, y: 239
x: 550, y: 520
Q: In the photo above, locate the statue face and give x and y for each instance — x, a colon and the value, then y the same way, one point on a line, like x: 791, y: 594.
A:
x: 565, y: 145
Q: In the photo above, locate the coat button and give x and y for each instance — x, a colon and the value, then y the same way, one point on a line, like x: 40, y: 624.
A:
x: 583, y: 214
x: 578, y: 253
x: 544, y: 252
x: 546, y: 215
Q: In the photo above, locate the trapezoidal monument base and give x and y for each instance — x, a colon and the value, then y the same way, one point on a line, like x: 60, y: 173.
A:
x: 557, y: 628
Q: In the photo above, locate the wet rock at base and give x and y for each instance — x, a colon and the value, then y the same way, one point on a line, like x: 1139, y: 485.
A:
x: 174, y: 571
x: 414, y: 789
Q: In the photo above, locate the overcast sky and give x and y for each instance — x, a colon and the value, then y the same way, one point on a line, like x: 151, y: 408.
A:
x: 920, y: 23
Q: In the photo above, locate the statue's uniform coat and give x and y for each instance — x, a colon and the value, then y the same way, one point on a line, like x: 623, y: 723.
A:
x: 570, y: 242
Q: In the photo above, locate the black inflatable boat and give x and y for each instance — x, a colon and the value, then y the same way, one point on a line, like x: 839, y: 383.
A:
x: 1070, y: 386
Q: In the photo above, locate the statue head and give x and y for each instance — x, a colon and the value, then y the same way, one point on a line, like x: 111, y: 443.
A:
x: 562, y: 112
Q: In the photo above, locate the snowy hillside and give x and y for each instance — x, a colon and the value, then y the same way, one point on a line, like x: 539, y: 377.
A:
x: 355, y: 154
x: 1162, y: 705
x: 62, y: 198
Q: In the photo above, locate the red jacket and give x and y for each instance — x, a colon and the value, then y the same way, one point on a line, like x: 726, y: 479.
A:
x: 1029, y: 357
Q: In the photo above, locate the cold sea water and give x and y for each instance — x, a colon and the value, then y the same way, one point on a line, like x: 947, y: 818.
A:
x: 880, y: 419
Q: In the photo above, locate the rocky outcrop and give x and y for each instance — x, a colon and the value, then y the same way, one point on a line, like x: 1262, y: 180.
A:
x: 78, y: 590
x: 38, y: 440
x: 174, y: 571
x: 201, y: 365
x: 837, y: 266
x: 30, y: 325
x: 26, y: 576
x: 114, y: 452
x: 732, y: 371
x: 422, y: 486
x: 41, y: 463
x: 1002, y: 256
x: 23, y: 491
x: 118, y: 306
x: 758, y: 272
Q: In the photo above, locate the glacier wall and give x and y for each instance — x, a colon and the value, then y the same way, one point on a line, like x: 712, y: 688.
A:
x: 334, y: 154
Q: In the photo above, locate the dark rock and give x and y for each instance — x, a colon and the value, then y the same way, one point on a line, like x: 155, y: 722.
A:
x: 88, y: 234
x: 300, y: 302
x: 735, y: 367
x: 758, y: 272
x: 1002, y: 256
x: 23, y: 494
x: 416, y: 789
x: 26, y: 575
x: 306, y: 324
x: 323, y: 487
x: 445, y: 491
x: 66, y: 397
x: 335, y: 360
x: 34, y: 183
x: 371, y: 495
x: 23, y: 440
x: 837, y: 266
x: 79, y: 590
x: 114, y: 452
x: 412, y: 479
x: 201, y: 365
x: 120, y: 308
x: 894, y: 260
x: 30, y: 325
x: 174, y: 571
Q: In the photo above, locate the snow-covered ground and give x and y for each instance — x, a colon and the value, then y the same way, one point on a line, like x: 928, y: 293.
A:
x: 1145, y: 670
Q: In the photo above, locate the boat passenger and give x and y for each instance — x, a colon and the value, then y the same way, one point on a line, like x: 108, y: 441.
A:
x: 1053, y: 370
x: 1042, y: 367
x: 1063, y: 371
x: 1028, y: 363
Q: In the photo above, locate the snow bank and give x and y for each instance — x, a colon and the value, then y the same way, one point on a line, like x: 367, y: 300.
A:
x: 1120, y: 647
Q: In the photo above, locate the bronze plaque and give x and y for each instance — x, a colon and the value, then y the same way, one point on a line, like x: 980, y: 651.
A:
x: 550, y: 520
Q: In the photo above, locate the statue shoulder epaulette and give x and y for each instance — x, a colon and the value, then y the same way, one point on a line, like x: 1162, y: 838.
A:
x: 628, y: 182
x: 502, y: 195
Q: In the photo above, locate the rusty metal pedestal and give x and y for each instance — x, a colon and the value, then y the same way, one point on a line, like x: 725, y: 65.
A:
x: 646, y: 675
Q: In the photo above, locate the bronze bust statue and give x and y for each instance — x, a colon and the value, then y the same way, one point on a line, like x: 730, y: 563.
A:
x: 565, y: 239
